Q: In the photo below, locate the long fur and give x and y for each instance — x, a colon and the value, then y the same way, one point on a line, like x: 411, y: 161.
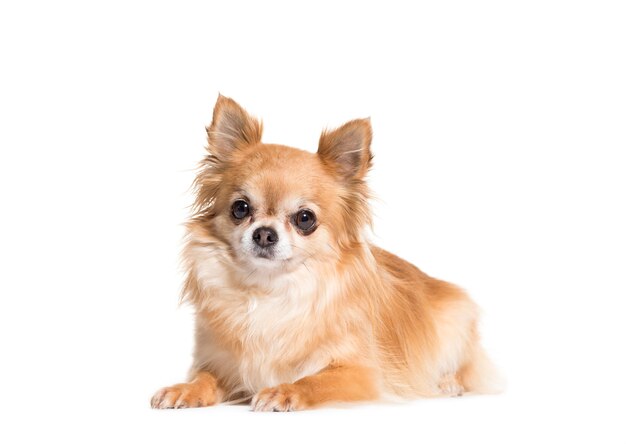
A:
x: 341, y: 319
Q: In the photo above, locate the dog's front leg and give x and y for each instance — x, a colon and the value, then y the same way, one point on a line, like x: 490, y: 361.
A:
x: 336, y: 383
x: 201, y: 391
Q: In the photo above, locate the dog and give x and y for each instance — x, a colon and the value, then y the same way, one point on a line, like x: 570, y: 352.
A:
x: 295, y: 307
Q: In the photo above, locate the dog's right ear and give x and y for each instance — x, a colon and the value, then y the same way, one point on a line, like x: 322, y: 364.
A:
x: 232, y: 128
x: 347, y: 149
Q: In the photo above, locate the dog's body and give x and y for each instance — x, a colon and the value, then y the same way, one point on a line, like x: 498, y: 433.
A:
x: 294, y: 306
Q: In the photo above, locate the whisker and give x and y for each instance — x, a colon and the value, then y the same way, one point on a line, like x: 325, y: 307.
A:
x: 303, y: 249
x: 309, y: 256
x: 249, y: 275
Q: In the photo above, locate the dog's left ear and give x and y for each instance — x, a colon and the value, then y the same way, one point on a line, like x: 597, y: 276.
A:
x: 232, y: 128
x: 347, y: 149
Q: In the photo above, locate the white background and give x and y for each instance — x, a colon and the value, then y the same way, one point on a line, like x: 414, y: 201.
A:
x: 499, y: 140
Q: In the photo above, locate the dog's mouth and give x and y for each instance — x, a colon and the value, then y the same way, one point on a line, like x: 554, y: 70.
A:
x: 270, y: 259
x: 267, y: 254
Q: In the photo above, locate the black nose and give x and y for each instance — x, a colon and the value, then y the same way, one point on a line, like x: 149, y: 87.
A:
x: 265, y: 237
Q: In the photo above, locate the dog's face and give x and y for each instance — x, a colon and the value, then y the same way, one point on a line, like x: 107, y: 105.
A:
x: 272, y: 207
x: 278, y: 208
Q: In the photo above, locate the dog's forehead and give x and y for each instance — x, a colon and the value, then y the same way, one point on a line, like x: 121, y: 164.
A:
x: 278, y: 190
x: 281, y: 178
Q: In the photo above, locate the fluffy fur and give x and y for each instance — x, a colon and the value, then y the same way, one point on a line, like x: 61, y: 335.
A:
x: 328, y: 317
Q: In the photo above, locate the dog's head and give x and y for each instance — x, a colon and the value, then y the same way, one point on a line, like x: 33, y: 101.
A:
x: 278, y: 208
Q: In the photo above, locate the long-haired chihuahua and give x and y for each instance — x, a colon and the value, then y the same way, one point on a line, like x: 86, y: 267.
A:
x: 295, y: 308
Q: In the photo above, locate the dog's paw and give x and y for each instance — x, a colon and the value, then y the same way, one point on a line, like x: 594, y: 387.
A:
x: 450, y: 386
x: 283, y: 398
x: 181, y: 396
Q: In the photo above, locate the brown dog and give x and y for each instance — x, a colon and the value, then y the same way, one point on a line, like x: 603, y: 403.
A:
x: 295, y: 307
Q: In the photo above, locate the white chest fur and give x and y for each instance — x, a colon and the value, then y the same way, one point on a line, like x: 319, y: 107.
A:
x: 274, y: 332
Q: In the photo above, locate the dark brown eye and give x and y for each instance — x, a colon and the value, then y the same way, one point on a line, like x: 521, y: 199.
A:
x: 304, y: 220
x: 240, y: 209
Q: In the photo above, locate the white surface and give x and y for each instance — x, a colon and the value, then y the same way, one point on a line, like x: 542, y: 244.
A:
x: 499, y: 142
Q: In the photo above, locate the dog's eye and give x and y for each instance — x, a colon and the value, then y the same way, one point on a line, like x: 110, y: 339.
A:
x: 240, y: 209
x: 305, y: 221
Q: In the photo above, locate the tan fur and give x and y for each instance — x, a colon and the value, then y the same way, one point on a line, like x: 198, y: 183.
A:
x: 336, y: 318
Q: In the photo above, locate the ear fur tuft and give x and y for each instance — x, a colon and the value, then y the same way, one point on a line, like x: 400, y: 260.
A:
x: 232, y: 128
x: 347, y: 148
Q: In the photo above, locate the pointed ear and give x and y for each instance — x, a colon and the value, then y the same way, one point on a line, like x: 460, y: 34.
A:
x: 347, y: 149
x: 232, y: 128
